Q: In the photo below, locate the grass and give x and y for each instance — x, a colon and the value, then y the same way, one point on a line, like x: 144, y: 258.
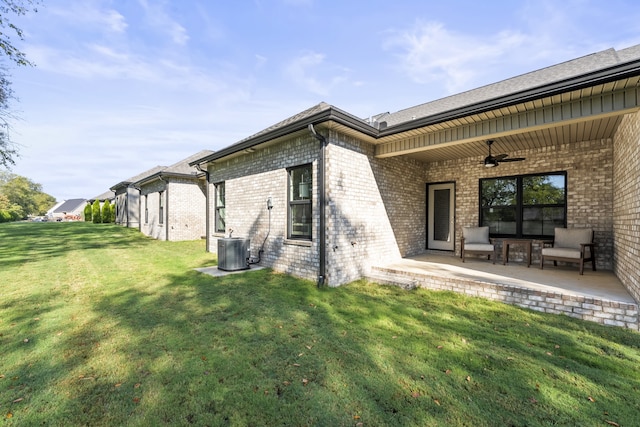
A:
x: 101, y: 326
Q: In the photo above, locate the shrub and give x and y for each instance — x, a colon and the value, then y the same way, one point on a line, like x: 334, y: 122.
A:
x: 106, y: 212
x: 87, y: 212
x: 95, y: 212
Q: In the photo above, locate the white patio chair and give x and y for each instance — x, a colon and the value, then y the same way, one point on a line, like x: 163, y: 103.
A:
x: 476, y: 241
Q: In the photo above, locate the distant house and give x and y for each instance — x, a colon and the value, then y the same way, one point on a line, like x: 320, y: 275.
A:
x: 173, y: 201
x: 107, y: 195
x: 326, y: 195
x: 127, y: 199
x: 69, y: 210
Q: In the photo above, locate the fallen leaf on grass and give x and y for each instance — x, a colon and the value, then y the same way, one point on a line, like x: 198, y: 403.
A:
x: 136, y: 400
x: 18, y: 400
x: 308, y: 347
x: 9, y: 414
x: 297, y: 365
x: 436, y: 401
x: 590, y: 399
x: 533, y: 400
x: 468, y: 378
x: 286, y: 383
x: 448, y: 371
x: 612, y: 423
x: 305, y: 381
x: 118, y: 385
x: 356, y: 417
x: 439, y: 347
x: 415, y: 394
x: 204, y: 358
x: 137, y: 385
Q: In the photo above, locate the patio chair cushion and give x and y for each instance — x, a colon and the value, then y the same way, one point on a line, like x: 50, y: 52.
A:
x: 561, y: 252
x: 572, y: 238
x: 478, y: 247
x: 476, y: 235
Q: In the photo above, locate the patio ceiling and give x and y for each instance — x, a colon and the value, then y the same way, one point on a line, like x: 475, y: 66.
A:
x: 591, y: 113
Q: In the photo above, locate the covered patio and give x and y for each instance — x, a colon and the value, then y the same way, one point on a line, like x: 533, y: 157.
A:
x: 596, y: 296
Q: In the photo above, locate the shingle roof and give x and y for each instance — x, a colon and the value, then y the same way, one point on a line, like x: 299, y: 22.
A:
x: 548, y: 75
x: 588, y: 69
x: 104, y: 196
x: 138, y: 177
x: 70, y: 205
x: 182, y: 167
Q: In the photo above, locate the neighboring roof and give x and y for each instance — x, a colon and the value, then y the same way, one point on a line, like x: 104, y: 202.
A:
x: 70, y: 205
x: 107, y: 195
x: 138, y: 177
x: 179, y: 169
x: 56, y: 206
x: 598, y: 68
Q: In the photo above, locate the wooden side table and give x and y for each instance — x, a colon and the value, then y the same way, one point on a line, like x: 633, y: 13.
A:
x: 505, y: 249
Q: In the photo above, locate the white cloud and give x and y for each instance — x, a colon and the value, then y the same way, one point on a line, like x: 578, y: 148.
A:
x: 312, y: 73
x: 430, y: 52
x: 85, y: 14
x: 159, y: 19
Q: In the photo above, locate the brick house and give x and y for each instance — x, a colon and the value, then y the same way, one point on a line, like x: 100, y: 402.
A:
x: 325, y: 195
x: 173, y: 201
x: 127, y: 199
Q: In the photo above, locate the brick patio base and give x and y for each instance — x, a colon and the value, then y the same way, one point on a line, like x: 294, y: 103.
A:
x: 603, y: 311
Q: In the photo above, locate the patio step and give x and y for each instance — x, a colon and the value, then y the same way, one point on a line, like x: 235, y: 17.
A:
x: 594, y: 309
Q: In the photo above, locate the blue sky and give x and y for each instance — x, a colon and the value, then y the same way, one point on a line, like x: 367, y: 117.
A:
x: 121, y: 86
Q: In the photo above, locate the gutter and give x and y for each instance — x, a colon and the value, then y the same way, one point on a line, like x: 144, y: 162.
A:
x: 322, y: 235
x: 329, y: 114
x: 602, y: 76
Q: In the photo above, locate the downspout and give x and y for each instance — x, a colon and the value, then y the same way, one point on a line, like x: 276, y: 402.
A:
x: 206, y: 208
x: 322, y: 238
x: 166, y: 208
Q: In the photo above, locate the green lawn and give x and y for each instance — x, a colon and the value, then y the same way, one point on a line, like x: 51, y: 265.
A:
x: 101, y: 326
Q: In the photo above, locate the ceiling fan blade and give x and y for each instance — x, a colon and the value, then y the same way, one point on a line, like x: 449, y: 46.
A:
x: 500, y: 157
x: 515, y: 159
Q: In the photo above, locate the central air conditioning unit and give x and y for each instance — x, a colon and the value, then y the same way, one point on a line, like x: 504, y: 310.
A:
x: 233, y: 253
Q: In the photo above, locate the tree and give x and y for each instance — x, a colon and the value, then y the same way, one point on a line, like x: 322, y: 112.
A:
x: 18, y: 8
x: 25, y: 196
x: 106, y: 212
x: 87, y: 212
x: 95, y: 212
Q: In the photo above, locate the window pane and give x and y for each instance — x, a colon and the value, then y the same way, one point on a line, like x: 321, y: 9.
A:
x: 499, y: 192
x: 220, y: 220
x: 541, y: 221
x: 219, y: 208
x: 220, y: 195
x: 501, y: 220
x: 543, y: 190
x: 301, y: 220
x: 300, y: 183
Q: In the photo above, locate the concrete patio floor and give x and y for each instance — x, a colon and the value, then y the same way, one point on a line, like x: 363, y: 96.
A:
x: 561, y: 279
x: 596, y: 296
